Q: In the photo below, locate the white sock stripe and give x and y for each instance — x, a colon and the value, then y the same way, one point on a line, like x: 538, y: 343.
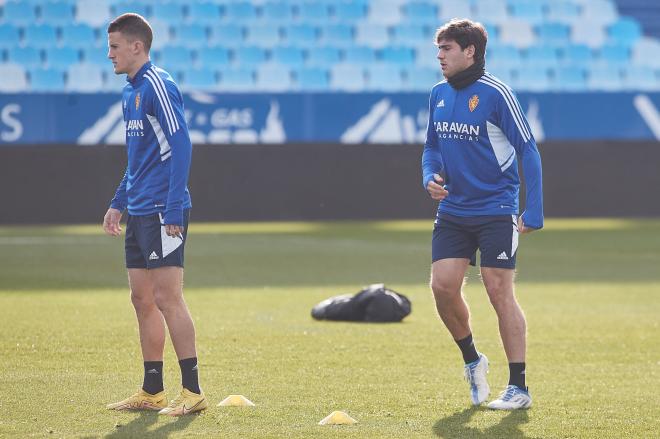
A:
x: 514, y: 106
x: 512, y: 103
x: 163, y: 98
x: 167, y: 118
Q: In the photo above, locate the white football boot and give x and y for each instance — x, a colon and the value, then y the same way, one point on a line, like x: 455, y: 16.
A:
x: 475, y: 375
x: 512, y: 398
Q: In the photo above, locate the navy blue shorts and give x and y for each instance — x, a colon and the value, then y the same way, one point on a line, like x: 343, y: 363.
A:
x: 148, y: 246
x: 496, y: 238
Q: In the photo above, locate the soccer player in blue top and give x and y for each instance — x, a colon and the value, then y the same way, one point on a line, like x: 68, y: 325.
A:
x: 154, y: 190
x: 476, y: 135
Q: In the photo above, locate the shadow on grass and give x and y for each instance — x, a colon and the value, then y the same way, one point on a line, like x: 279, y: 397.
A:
x: 456, y: 426
x: 140, y: 426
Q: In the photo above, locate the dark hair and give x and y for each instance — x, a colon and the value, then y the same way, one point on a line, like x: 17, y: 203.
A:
x: 465, y: 32
x: 133, y: 26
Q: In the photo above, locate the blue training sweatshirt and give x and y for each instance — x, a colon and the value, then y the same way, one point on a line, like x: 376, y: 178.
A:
x: 474, y: 138
x: 158, y: 145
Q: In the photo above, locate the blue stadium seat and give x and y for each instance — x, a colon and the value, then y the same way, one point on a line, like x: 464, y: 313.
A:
x: 501, y: 72
x: 562, y: 11
x: 9, y: 36
x: 384, y: 77
x: 577, y: 54
x: 56, y: 13
x: 230, y: 35
x: 84, y: 78
x: 420, y: 78
x: 93, y: 13
x: 613, y: 55
x: 530, y: 78
x: 41, y: 35
x: 301, y: 35
x: 19, y: 13
x: 360, y: 55
x: 313, y: 12
x: 646, y: 52
x: 46, y: 80
x: 384, y: 13
x: 236, y: 79
x: 289, y: 56
x: 249, y: 56
x: 198, y: 79
x: 541, y: 56
x: 490, y: 11
x: 555, y: 34
x: 347, y: 77
x: 455, y: 8
x: 641, y: 78
x: 273, y: 77
x: 402, y: 56
x: 96, y: 55
x: 191, y: 35
x: 517, y: 33
x: 624, y: 31
x: 113, y: 83
x: 503, y: 54
x: 203, y: 13
x: 373, y: 35
x: 324, y: 56
x: 28, y: 57
x: 604, y: 79
x: 14, y: 78
x: 162, y: 34
x: 135, y: 7
x: 61, y: 57
x: 312, y: 79
x: 600, y: 11
x: 531, y: 12
x: 590, y: 33
x: 347, y: 11
x: 279, y: 11
x: 569, y: 79
x: 166, y: 12
x: 213, y: 57
x: 174, y: 57
x: 263, y: 36
x: 411, y: 34
x: 420, y: 13
x: 337, y: 35
x: 236, y: 12
x: 78, y: 35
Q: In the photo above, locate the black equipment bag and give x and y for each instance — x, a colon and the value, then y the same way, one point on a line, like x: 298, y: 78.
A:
x: 375, y: 303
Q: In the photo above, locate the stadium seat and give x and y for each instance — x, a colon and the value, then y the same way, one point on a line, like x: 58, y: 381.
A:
x: 92, y: 12
x: 113, y: 83
x: 613, y: 55
x: 263, y: 35
x: 135, y: 7
x: 313, y: 12
x: 604, y: 79
x: 624, y: 31
x: 278, y: 11
x: 600, y: 11
x: 236, y: 79
x: 411, y: 35
x: 517, y: 33
x: 288, y: 56
x: 96, y: 55
x: 213, y: 57
x: 373, y: 35
x: 566, y: 12
x: 311, y: 79
x: 349, y: 12
x: 402, y: 56
x: 198, y: 79
x: 173, y: 57
x: 241, y: 11
x: 171, y: 13
x: 589, y: 33
x: 383, y: 77
x: 383, y: 13
x: 301, y: 35
x: 46, y: 80
x: 577, y: 55
x: 56, y: 13
x: 14, y: 78
x: 41, y: 35
x: 273, y: 77
x: 360, y: 55
x: 347, y: 77
x: 455, y: 8
x: 420, y: 79
x: 29, y: 57
x: 530, y: 12
x: 190, y: 35
x: 541, y: 56
x: 641, y: 78
x: 490, y: 11
x: 62, y: 57
x: 250, y: 56
x: 418, y: 13
x: 501, y: 72
x: 85, y: 78
x: 504, y: 55
x: 9, y: 36
x: 530, y: 79
x: 569, y: 79
x: 19, y: 13
x: 79, y: 35
x: 553, y: 34
x: 646, y: 52
x: 337, y: 35
x: 162, y: 34
x: 323, y: 56
x: 229, y: 35
x: 203, y: 13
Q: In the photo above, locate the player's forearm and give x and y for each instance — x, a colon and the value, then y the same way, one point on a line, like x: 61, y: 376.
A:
x: 120, y: 200
x: 531, y: 163
x: 179, y: 170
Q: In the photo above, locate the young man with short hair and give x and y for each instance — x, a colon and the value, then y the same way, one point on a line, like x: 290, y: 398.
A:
x: 154, y: 190
x: 476, y: 134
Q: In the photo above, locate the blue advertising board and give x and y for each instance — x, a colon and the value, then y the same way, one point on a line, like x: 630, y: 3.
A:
x: 398, y: 118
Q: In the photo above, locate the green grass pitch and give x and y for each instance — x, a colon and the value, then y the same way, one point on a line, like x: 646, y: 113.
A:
x: 590, y: 290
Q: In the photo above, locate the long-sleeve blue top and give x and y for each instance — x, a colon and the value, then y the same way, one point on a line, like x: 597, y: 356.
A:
x: 474, y: 138
x: 158, y: 145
